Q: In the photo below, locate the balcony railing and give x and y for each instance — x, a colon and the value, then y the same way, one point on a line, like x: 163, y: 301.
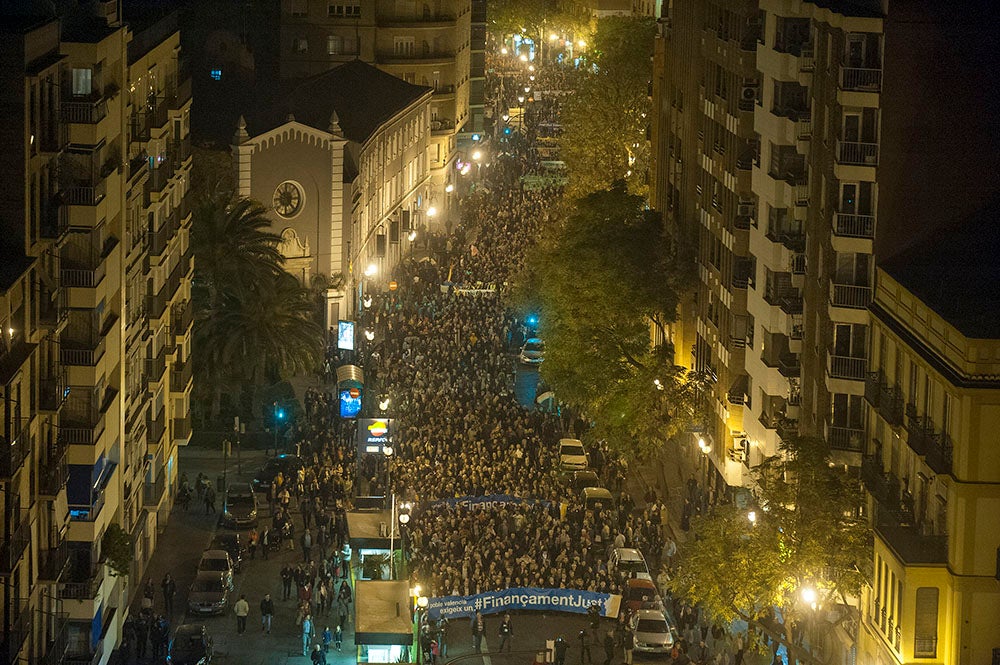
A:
x: 180, y: 317
x: 83, y: 589
x: 177, y: 97
x: 847, y: 367
x: 87, y: 512
x: 180, y: 377
x: 86, y: 658
x: 54, y: 472
x: 16, y: 541
x: 56, y: 645
x: 919, y: 432
x: 397, y: 21
x: 18, y: 629
x: 925, y: 647
x: 864, y: 79
x: 83, y: 194
x: 788, y: 365
x: 84, y: 112
x: 51, y: 393
x: 14, y: 449
x: 857, y: 153
x: 939, y: 453
x: 54, y: 221
x: 180, y: 150
x: 152, y: 493
x: 417, y: 54
x: 155, y: 427
x: 887, y: 400
x: 52, y: 562
x: 849, y: 225
x: 846, y: 438
x: 156, y: 366
x: 850, y: 295
x: 908, y: 540
x: 788, y: 299
x: 87, y: 356
x: 874, y: 477
x: 182, y: 427
x: 791, y: 239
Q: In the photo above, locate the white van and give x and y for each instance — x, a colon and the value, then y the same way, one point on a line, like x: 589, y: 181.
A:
x: 572, y: 456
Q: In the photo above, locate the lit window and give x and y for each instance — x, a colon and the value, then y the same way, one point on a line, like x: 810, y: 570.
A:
x: 82, y: 82
x: 216, y: 74
x: 300, y: 45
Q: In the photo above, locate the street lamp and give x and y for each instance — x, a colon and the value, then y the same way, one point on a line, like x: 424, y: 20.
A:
x: 752, y: 516
x: 369, y: 334
x: 383, y: 404
x: 809, y: 596
x: 371, y: 270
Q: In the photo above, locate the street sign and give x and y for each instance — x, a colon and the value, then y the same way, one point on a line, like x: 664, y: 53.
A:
x: 393, y: 285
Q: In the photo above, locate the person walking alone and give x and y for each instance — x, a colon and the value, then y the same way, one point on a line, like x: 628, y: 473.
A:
x: 169, y: 587
x: 242, y: 609
x: 266, y: 613
x: 478, y: 630
x: 506, y: 632
x: 307, y: 633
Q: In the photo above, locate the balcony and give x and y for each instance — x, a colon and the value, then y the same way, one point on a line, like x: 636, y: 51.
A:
x: 851, y: 296
x: 857, y: 153
x: 52, y: 562
x: 88, y: 512
x: 429, y: 55
x: 86, y: 658
x: 849, y: 225
x: 425, y: 20
x: 874, y: 477
x: 137, y: 165
x: 83, y: 587
x: 55, y: 646
x: 909, y: 541
x: 156, y: 305
x: 52, y: 309
x: 15, y: 448
x: 83, y: 193
x: 887, y: 400
x: 156, y: 366
x: 861, y: 79
x: 180, y: 150
x: 159, y: 176
x: 16, y: 541
x: 84, y: 112
x: 792, y: 239
x: 155, y: 427
x: 19, y: 628
x: 51, y: 393
x: 788, y: 299
x: 846, y: 438
x: 139, y: 126
x: 939, y: 453
x: 152, y: 493
x: 848, y: 367
x: 177, y: 96
x: 182, y: 428
x: 82, y: 352
x: 54, y: 221
x: 180, y: 377
x: 180, y: 317
x: 53, y: 470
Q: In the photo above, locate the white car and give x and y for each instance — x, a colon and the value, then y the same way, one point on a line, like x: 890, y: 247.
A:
x: 533, y: 352
x: 652, y: 632
x: 629, y: 563
x: 572, y: 456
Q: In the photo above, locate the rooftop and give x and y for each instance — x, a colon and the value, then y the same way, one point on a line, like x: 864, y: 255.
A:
x: 363, y: 96
x: 955, y: 272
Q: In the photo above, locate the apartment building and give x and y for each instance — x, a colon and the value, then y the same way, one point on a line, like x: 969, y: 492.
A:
x: 75, y: 236
x: 930, y: 462
x: 423, y: 43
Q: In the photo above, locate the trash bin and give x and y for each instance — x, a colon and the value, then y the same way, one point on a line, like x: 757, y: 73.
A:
x: 220, y: 484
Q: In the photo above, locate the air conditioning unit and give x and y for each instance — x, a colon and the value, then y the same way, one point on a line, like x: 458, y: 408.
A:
x: 744, y: 210
x: 748, y: 93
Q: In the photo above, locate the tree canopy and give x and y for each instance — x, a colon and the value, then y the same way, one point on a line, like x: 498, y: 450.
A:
x: 807, y: 534
x: 605, y: 120
x: 604, y: 276
x: 534, y: 17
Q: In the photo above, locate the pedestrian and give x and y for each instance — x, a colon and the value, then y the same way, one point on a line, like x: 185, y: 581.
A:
x: 147, y: 594
x: 286, y: 582
x: 609, y: 647
x: 318, y: 656
x: 306, y: 546
x: 628, y: 644
x: 506, y: 632
x: 241, y: 609
x: 338, y: 636
x: 141, y: 638
x: 327, y: 638
x: 478, y: 630
x: 266, y: 613
x: 265, y: 542
x: 252, y: 542
x: 738, y: 647
x: 209, y: 499
x: 560, y: 648
x: 169, y: 587
x: 584, y: 637
x: 345, y: 560
x: 307, y: 634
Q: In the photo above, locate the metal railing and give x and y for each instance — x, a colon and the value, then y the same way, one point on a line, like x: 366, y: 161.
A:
x: 51, y: 392
x: 83, y: 194
x: 925, y: 647
x: 52, y: 562
x: 850, y: 295
x: 85, y: 357
x: 864, y: 79
x: 182, y: 427
x: 54, y: 221
x: 84, y: 589
x: 180, y: 377
x: 18, y: 629
x: 849, y: 225
x: 14, y: 450
x: 55, y: 647
x: 181, y: 315
x: 846, y: 438
x: 416, y: 54
x: 156, y: 366
x: 848, y: 367
x: 788, y: 299
x: 84, y: 112
x: 155, y: 427
x: 939, y: 453
x: 790, y: 239
x: 85, y: 659
x: 788, y: 365
x: 88, y: 512
x: 874, y: 477
x: 858, y: 153
x: 54, y: 471
x: 16, y: 542
x: 152, y: 493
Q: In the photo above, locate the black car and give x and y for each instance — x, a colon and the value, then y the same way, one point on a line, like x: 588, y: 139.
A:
x: 192, y: 645
x: 232, y: 543
x: 287, y: 465
x: 240, y: 506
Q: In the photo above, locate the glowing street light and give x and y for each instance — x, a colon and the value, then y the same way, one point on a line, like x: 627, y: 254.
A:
x: 477, y: 155
x: 449, y: 188
x: 581, y: 44
x: 411, y: 236
x: 524, y: 58
x: 503, y: 50
x: 369, y: 334
x: 370, y: 270
x: 752, y: 516
x: 553, y: 37
x: 809, y: 596
x: 432, y: 211
x: 383, y: 404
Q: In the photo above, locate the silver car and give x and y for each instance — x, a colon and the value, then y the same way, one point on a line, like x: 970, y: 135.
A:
x: 218, y: 561
x: 651, y: 631
x: 209, y: 593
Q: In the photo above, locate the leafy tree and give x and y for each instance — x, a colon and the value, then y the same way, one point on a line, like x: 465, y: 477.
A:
x: 808, y: 534
x: 535, y: 17
x: 605, y: 121
x: 607, y: 274
x: 117, y: 550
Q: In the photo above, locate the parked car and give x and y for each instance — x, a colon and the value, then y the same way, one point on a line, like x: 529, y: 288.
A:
x: 191, y: 645
x: 533, y: 352
x: 287, y: 465
x: 586, y: 478
x: 217, y: 561
x: 597, y: 498
x: 239, y: 508
x: 652, y: 632
x: 629, y: 563
x: 641, y: 594
x: 572, y: 456
x: 209, y: 593
x: 232, y: 544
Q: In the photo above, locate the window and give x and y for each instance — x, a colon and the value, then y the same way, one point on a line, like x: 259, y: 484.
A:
x: 216, y: 74
x: 925, y: 621
x: 403, y: 46
x: 334, y: 44
x: 337, y: 10
x: 300, y: 45
x: 83, y: 82
x: 298, y: 8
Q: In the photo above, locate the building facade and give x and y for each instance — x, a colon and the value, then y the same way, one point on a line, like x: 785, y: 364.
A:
x: 427, y: 44
x: 76, y: 238
x: 343, y: 163
x: 930, y: 462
